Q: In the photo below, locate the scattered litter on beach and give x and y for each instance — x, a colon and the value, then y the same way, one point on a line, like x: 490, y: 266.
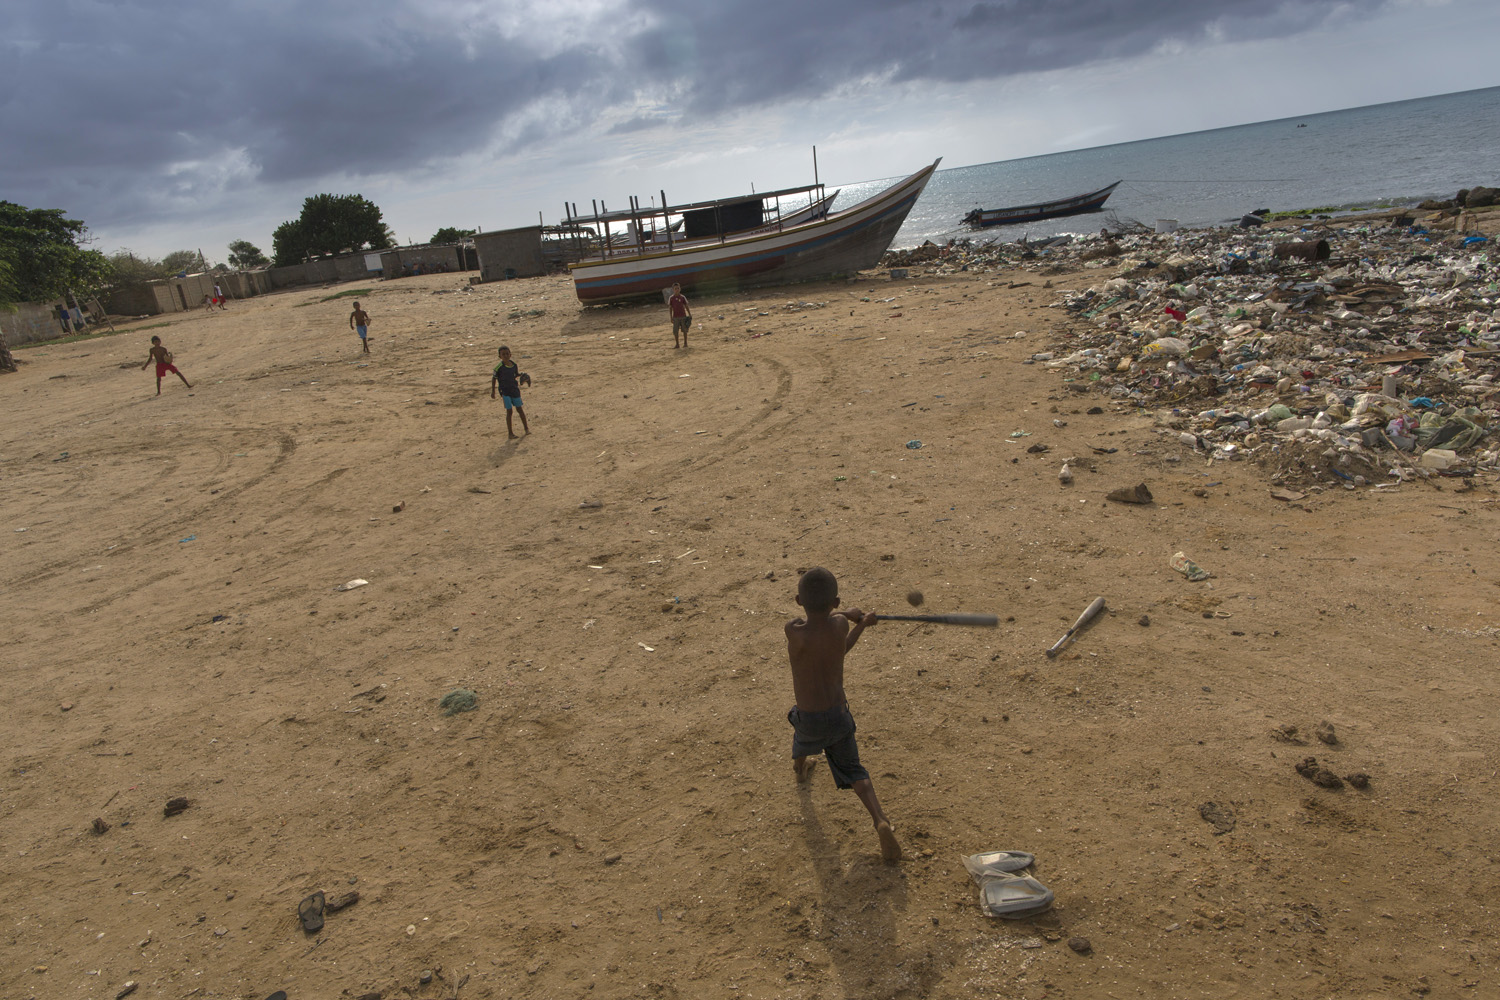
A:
x: 1188, y: 568
x: 352, y: 585
x: 1337, y: 354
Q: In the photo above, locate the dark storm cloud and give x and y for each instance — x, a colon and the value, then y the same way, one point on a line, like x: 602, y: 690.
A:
x: 122, y: 110
x: 743, y: 53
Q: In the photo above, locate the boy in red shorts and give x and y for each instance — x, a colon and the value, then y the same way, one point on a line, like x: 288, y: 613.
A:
x: 163, y: 359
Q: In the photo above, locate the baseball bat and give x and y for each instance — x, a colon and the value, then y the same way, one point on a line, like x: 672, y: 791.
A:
x: 974, y: 621
x: 1089, y: 614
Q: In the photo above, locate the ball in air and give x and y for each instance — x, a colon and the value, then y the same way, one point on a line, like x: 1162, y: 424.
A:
x: 914, y: 598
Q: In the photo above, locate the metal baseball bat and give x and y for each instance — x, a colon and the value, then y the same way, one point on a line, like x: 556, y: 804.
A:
x: 974, y: 621
x: 1089, y: 614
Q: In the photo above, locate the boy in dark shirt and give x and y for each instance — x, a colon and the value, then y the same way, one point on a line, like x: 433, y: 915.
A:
x: 507, y: 380
x: 821, y: 721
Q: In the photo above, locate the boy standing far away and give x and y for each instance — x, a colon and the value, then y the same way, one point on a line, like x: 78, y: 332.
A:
x: 821, y: 721
x: 163, y: 359
x: 359, y: 322
x: 507, y: 379
x: 682, y: 314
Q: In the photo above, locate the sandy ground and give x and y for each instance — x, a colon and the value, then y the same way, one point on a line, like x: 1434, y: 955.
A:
x: 617, y: 818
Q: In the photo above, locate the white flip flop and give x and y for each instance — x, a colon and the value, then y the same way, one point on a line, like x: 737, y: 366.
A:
x: 991, y: 864
x: 1014, y: 897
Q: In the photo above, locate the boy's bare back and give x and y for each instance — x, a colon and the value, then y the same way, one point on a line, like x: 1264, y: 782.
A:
x: 816, y: 645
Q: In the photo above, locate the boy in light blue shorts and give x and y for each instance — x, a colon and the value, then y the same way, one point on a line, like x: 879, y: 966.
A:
x: 507, y: 380
x: 359, y: 322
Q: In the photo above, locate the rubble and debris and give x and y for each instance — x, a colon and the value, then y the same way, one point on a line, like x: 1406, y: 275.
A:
x: 1286, y: 362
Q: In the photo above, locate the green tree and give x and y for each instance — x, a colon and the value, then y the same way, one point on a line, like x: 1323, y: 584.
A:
x: 243, y: 255
x: 41, y: 258
x: 331, y: 223
x: 128, y: 269
x: 179, y: 261
x: 42, y: 255
x: 450, y: 234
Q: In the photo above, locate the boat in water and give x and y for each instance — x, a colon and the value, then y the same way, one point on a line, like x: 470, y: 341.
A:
x: 728, y: 244
x: 1076, y: 205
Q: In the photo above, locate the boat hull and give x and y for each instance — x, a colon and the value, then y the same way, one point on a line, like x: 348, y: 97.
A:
x: 837, y: 245
x: 1077, y: 205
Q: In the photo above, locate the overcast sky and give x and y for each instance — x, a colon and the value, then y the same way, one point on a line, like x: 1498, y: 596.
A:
x: 176, y: 124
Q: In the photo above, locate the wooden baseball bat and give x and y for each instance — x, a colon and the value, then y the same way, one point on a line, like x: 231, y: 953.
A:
x: 1089, y: 614
x: 974, y: 621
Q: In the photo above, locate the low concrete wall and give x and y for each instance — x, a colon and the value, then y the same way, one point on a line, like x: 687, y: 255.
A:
x: 177, y: 294
x: 244, y: 284
x: 404, y: 261
x: 136, y: 300
x: 350, y: 268
x: 510, y: 253
x: 286, y: 277
x: 321, y: 271
x: 32, y: 321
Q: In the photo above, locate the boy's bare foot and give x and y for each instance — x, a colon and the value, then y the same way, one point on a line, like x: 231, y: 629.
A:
x: 514, y: 436
x: 804, y: 768
x: 889, y: 849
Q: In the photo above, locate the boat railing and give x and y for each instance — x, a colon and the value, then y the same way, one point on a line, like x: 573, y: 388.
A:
x: 641, y: 220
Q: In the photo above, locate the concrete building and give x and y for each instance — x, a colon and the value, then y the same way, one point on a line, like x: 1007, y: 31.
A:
x: 510, y: 253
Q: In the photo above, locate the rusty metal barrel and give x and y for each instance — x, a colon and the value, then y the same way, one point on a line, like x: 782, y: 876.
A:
x: 1306, y: 250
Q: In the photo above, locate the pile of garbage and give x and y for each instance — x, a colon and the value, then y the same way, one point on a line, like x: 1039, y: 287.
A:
x: 1343, y: 356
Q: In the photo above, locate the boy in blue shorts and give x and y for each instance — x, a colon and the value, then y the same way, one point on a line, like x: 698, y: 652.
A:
x: 359, y: 322
x: 821, y: 722
x: 507, y: 380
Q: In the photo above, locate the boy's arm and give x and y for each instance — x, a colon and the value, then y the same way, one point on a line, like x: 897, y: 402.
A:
x: 494, y: 383
x: 860, y: 621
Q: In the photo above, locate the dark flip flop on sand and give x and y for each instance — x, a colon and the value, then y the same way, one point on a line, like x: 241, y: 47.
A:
x: 310, y: 912
x: 278, y: 995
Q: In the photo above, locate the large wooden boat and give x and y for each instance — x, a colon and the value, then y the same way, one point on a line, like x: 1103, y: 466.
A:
x: 658, y: 238
x: 1076, y: 205
x: 774, y: 253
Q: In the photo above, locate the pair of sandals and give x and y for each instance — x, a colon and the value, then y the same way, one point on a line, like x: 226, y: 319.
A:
x: 1002, y: 892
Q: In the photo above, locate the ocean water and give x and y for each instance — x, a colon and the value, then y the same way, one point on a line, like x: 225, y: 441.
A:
x: 1398, y: 154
